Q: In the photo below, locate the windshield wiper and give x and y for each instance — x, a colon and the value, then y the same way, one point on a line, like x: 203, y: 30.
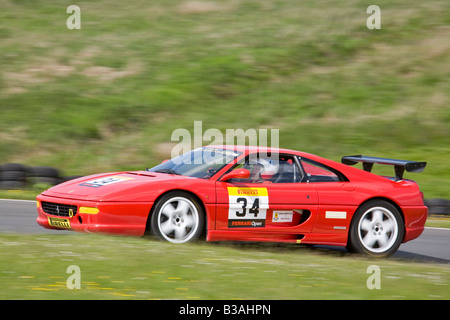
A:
x: 169, y: 171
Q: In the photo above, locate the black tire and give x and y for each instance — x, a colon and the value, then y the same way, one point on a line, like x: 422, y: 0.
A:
x: 177, y: 217
x: 45, y: 175
x: 47, y: 172
x: 14, y: 167
x: 13, y: 176
x: 377, y: 229
x: 12, y: 185
x: 46, y: 180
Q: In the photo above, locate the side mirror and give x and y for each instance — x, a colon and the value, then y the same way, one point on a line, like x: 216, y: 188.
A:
x: 236, y: 174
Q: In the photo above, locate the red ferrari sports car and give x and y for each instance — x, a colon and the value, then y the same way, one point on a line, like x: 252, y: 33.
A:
x: 243, y: 193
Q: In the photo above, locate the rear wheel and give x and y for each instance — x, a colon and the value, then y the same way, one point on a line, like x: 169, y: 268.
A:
x: 376, y: 229
x: 177, y: 218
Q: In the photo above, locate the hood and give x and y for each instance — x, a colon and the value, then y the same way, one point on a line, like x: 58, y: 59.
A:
x: 114, y: 186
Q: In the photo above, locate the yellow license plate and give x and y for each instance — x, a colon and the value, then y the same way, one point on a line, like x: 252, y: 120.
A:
x: 58, y: 222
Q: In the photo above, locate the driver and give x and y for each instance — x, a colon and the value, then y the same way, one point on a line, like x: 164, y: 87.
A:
x: 261, y: 170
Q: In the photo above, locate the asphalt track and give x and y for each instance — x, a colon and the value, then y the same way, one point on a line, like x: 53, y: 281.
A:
x: 19, y: 216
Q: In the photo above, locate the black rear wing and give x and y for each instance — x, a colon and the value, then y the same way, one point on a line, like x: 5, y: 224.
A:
x: 399, y: 165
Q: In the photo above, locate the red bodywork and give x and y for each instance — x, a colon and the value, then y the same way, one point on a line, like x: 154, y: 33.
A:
x: 304, y: 212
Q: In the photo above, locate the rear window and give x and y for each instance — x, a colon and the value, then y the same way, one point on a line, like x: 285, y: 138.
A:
x: 316, y: 172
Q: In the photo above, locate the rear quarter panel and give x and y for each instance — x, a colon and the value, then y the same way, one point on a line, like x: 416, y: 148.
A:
x: 346, y: 197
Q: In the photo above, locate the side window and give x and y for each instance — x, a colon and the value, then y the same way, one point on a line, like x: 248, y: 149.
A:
x: 288, y: 171
x: 265, y: 169
x: 316, y: 172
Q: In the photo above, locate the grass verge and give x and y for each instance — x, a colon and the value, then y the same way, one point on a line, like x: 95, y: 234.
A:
x: 35, y: 267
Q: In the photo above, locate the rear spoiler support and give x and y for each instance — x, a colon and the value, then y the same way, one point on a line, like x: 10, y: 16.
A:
x: 399, y: 165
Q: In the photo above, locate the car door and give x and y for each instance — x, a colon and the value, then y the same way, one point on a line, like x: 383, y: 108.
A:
x: 337, y: 197
x: 272, y: 199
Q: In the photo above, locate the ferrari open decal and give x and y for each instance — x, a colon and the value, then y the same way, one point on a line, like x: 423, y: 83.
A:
x: 247, y: 207
x: 104, y: 181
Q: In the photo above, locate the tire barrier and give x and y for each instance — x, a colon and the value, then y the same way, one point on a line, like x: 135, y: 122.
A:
x: 14, y: 176
x: 438, y: 206
x: 46, y: 175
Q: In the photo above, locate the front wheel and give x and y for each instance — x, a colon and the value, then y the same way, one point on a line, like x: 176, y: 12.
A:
x: 376, y: 229
x: 177, y: 218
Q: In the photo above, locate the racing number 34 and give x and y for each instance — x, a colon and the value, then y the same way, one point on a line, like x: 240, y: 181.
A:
x: 247, y: 207
x: 253, y: 210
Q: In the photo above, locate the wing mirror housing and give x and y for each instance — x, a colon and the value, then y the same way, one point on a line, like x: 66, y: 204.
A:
x: 236, y: 174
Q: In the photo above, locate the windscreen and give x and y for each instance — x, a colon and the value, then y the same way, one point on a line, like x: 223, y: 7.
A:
x: 200, y: 163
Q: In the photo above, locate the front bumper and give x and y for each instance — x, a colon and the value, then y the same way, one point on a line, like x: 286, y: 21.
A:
x: 122, y: 218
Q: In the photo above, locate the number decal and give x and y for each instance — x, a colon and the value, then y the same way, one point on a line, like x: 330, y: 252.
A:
x: 244, y: 209
x: 96, y: 183
x: 247, y: 207
x: 255, y: 207
x: 253, y: 210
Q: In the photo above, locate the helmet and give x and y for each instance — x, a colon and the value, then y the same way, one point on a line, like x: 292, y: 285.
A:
x: 261, y: 168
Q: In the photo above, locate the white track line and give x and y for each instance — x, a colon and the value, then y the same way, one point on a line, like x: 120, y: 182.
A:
x: 448, y: 229
x: 18, y: 200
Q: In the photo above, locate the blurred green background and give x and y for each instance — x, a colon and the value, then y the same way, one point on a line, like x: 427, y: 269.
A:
x: 108, y: 97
